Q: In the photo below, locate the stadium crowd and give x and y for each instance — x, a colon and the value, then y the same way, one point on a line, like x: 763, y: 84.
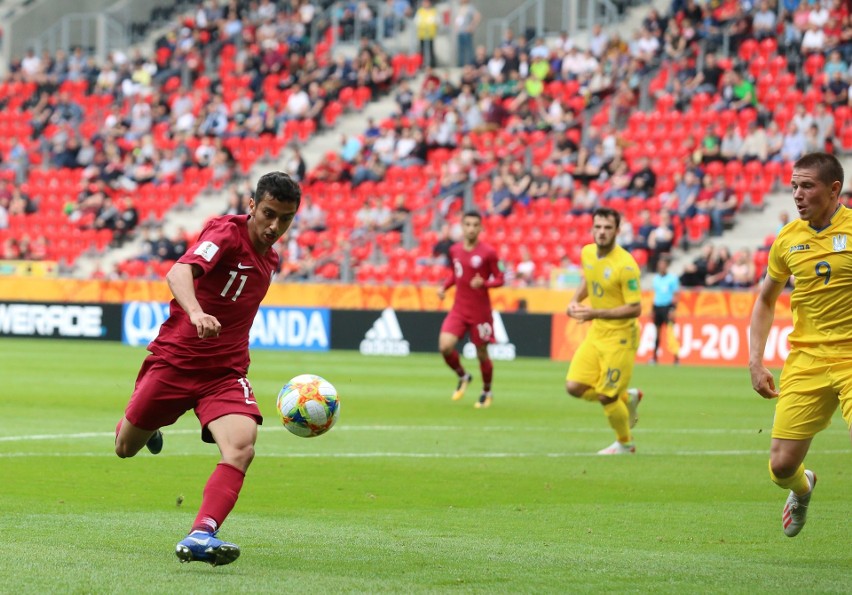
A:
x: 698, y: 115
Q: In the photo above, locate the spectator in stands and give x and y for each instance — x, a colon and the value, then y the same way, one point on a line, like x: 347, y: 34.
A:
x: 685, y: 195
x: 813, y: 142
x: 295, y: 164
x: 441, y: 248
x: 399, y: 214
x: 731, y: 144
x: 371, y: 169
x: 764, y: 21
x: 466, y: 21
x: 11, y: 249
x: 311, y: 216
x: 297, y: 106
x: 330, y: 169
x: 518, y: 182
x: 107, y: 216
x: 755, y: 145
x: 562, y: 183
x: 499, y: 198
x: 794, y: 143
x: 661, y: 240
x: 813, y: 40
x: 426, y: 23
x: 644, y: 227
x: 584, y: 200
x: 695, y: 273
x: 161, y: 247
x: 539, y: 187
x: 644, y: 179
x: 372, y: 217
x: 707, y: 78
x: 783, y: 220
x: 836, y: 90
x: 741, y: 273
x: 626, y: 237
x: 802, y: 118
x: 737, y: 91
x: 718, y: 267
x: 774, y: 141
x: 236, y: 203
x: 525, y: 268
x: 619, y: 183
x: 721, y: 207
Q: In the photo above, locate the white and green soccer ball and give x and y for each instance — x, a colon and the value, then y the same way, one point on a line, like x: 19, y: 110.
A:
x: 308, y: 405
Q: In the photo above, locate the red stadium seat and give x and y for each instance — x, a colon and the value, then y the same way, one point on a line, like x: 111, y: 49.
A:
x: 814, y: 64
x: 767, y: 47
x: 748, y: 49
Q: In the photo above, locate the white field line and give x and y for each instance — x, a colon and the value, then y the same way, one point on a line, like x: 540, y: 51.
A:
x: 427, y: 455
x: 22, y: 439
x: 468, y: 429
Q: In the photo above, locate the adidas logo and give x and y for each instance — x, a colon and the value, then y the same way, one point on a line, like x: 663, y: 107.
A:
x: 503, y: 349
x: 385, y: 337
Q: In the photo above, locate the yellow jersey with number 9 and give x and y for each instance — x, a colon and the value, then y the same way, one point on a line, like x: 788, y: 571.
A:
x: 612, y: 281
x: 820, y: 262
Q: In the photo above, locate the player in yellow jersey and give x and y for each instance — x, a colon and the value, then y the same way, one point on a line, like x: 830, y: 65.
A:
x: 817, y: 375
x: 603, y: 365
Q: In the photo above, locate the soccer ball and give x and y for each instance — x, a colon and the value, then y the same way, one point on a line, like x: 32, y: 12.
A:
x: 308, y: 405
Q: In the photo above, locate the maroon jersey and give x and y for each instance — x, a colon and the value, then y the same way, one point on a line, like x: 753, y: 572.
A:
x: 235, y: 280
x: 482, y: 260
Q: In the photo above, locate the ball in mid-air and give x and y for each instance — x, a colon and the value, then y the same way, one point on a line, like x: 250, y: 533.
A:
x: 308, y: 405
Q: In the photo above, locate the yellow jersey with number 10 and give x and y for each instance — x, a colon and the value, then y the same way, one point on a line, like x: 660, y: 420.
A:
x: 612, y: 281
x: 820, y: 262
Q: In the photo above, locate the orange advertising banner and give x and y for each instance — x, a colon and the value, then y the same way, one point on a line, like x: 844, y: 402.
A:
x: 539, y: 300
x: 699, y: 340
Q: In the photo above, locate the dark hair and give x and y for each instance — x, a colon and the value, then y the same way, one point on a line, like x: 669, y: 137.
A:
x: 472, y: 213
x: 279, y: 186
x: 827, y: 166
x: 608, y: 213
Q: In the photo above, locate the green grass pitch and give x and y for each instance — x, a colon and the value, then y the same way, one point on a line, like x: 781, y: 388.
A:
x: 411, y: 492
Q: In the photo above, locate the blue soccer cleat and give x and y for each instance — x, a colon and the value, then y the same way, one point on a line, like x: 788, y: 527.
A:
x: 155, y: 443
x: 200, y: 546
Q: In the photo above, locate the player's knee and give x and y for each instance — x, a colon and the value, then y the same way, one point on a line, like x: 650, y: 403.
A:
x: 240, y: 457
x: 780, y: 468
x: 123, y: 450
x: 574, y: 389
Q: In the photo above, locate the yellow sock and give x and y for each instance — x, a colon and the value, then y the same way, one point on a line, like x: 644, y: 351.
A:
x: 797, y: 482
x: 618, y: 417
x: 624, y: 397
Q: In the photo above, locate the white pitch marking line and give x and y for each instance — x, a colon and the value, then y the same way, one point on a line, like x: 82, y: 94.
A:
x: 175, y: 432
x: 427, y: 455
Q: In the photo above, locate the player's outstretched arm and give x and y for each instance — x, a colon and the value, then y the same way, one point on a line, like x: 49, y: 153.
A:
x: 181, y: 280
x: 762, y: 317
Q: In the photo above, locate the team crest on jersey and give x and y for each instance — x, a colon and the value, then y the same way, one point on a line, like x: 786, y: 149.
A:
x: 607, y: 273
x: 839, y: 242
x: 207, y: 250
x: 476, y: 261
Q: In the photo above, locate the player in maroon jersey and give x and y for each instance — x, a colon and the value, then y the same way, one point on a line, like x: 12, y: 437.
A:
x: 200, y: 357
x: 475, y: 269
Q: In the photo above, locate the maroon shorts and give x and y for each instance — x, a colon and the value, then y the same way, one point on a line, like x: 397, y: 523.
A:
x: 481, y: 330
x: 163, y: 393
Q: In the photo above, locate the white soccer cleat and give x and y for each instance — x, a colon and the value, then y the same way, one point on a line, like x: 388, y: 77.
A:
x: 634, y: 397
x: 617, y: 448
x: 796, y: 508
